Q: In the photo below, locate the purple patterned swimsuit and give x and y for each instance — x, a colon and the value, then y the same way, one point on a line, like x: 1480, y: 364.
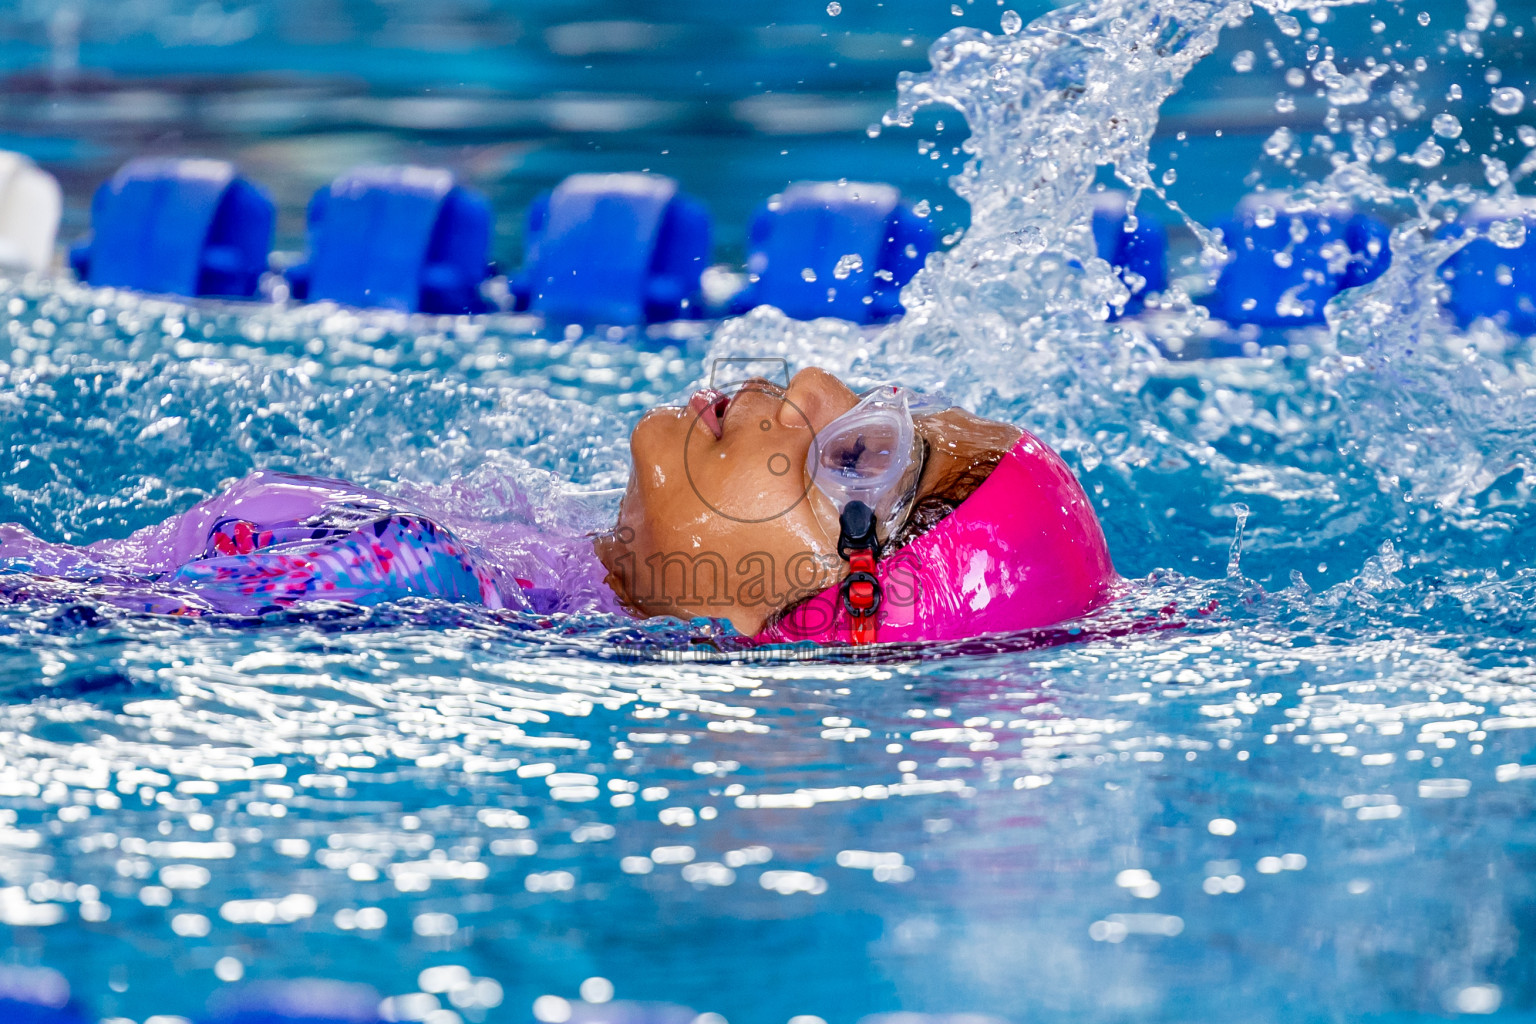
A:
x: 271, y: 542
x: 326, y: 557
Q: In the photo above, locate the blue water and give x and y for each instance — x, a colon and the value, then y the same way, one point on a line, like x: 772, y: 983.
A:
x: 1309, y: 799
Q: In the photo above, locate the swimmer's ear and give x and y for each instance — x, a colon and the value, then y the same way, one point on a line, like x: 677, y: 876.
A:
x: 814, y: 399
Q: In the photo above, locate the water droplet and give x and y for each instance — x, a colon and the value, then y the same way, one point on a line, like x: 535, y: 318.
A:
x: 1478, y: 999
x: 852, y: 263
x: 1527, y: 134
x: 1012, y: 22
x: 1479, y: 14
x: 1507, y: 234
x: 1276, y: 145
x: 1243, y: 62
x: 873, y: 131
x: 808, y: 275
x: 1429, y: 154
x: 1287, y: 24
x: 598, y: 990
x: 1507, y: 100
x: 1170, y: 176
x: 1347, y: 90
x: 1295, y: 78
x: 834, y: 8
x: 1423, y: 17
x: 549, y: 1009
x: 1284, y: 105
x: 921, y: 208
x: 956, y: 10
x: 1446, y: 126
x: 1496, y: 171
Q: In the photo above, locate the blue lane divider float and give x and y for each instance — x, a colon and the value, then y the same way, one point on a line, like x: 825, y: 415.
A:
x: 1139, y: 254
x: 407, y: 238
x: 842, y: 249
x: 601, y: 248
x: 30, y: 206
x: 37, y: 995
x: 1494, y: 276
x: 614, y: 249
x: 302, y: 1001
x: 1286, y: 266
x: 180, y: 227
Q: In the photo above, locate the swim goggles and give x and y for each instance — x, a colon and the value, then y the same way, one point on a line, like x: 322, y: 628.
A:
x: 872, y: 454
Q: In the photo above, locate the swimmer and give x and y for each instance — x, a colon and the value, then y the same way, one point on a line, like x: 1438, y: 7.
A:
x: 804, y: 512
x: 784, y: 509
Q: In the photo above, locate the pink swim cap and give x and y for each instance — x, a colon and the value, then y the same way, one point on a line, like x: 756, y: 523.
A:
x: 1024, y: 550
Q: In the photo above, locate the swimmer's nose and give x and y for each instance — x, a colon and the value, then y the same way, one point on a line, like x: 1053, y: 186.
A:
x: 709, y: 406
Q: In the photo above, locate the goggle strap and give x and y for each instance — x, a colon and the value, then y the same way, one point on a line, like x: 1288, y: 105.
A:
x: 860, y: 589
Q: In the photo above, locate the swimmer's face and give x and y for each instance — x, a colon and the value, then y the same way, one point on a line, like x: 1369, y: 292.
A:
x: 718, y: 519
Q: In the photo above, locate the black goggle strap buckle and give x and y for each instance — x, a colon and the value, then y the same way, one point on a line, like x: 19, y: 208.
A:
x: 857, y: 544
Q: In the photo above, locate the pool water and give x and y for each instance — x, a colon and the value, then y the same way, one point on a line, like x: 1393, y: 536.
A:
x: 1307, y: 795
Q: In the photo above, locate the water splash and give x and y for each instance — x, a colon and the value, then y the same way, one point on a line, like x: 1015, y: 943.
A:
x: 1235, y: 553
x: 1023, y: 296
x: 1014, y: 319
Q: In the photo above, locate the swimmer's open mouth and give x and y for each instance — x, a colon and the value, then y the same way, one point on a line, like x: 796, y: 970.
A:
x: 709, y: 406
